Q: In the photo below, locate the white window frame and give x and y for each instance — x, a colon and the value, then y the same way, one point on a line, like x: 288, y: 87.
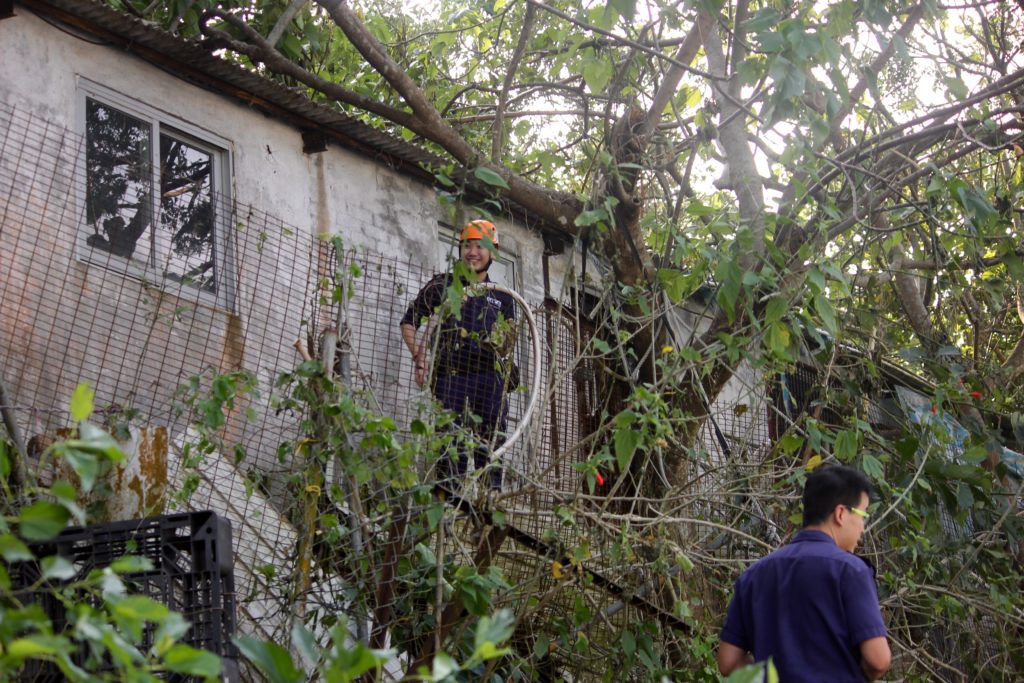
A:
x: 219, y: 148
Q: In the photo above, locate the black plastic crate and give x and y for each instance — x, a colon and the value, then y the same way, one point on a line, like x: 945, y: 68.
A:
x: 192, y: 573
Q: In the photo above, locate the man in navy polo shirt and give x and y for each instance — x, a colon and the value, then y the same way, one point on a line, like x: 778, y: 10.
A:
x: 466, y: 374
x: 812, y: 605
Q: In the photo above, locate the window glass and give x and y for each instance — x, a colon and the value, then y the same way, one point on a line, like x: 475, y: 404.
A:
x: 186, y: 212
x: 118, y: 182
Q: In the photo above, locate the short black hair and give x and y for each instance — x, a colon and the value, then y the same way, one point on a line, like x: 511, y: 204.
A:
x: 829, y: 486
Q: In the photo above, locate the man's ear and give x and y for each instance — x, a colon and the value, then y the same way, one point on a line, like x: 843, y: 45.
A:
x: 838, y: 514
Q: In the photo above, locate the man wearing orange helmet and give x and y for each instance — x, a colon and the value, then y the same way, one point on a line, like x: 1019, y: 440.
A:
x: 466, y: 375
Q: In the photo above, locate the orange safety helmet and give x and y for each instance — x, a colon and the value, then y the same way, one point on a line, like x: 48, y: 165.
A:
x: 478, y: 229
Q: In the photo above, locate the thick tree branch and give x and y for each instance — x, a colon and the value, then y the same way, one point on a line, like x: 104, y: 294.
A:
x: 686, y: 53
x: 743, y: 176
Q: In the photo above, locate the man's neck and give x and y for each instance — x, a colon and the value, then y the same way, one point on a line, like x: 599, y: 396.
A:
x: 823, y: 528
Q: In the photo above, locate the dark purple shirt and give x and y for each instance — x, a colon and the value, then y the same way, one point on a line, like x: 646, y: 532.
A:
x: 458, y: 348
x: 808, y: 605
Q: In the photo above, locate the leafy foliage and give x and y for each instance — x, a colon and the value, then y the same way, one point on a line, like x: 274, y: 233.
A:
x: 808, y: 180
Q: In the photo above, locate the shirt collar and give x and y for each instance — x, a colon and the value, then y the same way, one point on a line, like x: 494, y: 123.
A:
x: 812, y: 536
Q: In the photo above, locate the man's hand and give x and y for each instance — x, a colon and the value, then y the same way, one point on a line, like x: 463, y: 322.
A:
x: 420, y: 361
x: 875, y: 657
x: 731, y: 658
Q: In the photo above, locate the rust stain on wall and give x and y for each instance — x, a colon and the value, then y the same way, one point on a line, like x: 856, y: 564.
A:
x: 153, y: 469
x: 233, y: 355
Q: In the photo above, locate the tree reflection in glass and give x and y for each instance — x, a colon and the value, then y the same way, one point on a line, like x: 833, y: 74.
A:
x: 118, y: 182
x: 186, y: 212
x: 119, y: 197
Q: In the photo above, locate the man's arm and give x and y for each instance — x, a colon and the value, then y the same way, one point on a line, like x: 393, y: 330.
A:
x: 421, y: 307
x: 731, y: 657
x: 419, y: 356
x: 875, y: 657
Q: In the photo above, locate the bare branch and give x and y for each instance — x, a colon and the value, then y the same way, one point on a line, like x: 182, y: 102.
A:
x: 497, y: 140
x: 282, y: 22
x: 260, y: 51
x: 556, y: 207
x: 624, y: 41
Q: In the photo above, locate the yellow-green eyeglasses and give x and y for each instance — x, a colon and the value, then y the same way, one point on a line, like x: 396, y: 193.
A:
x: 857, y: 511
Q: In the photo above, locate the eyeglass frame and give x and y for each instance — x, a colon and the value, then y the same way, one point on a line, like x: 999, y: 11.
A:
x: 863, y: 514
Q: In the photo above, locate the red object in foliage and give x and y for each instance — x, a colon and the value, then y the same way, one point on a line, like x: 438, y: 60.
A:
x: 600, y: 479
x: 975, y: 394
x: 933, y: 407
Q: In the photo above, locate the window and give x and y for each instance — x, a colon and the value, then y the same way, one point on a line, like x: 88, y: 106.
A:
x: 154, y: 196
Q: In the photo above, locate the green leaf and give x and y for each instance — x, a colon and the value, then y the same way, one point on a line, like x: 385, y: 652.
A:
x: 790, y: 79
x: 827, y: 314
x: 13, y: 550
x: 778, y: 339
x: 185, y: 659
x: 172, y: 628
x: 131, y: 563
x: 754, y: 673
x: 435, y: 512
x: 597, y: 72
x: 762, y: 20
x: 35, y: 646
x: 845, y: 447
x: 790, y: 443
x: 81, y: 405
x: 86, y: 465
x: 775, y: 309
x: 976, y: 205
x: 872, y: 467
x: 624, y: 8
x: 975, y: 455
x: 96, y: 440
x: 442, y: 667
x: 626, y: 441
x: 490, y: 177
x: 628, y: 643
x: 591, y: 217
x: 271, y: 659
x: 541, y: 646
x: 139, y: 608
x: 57, y: 567
x: 491, y: 632
x: 42, y: 520
x: 674, y: 282
x: 964, y: 497
x: 956, y: 86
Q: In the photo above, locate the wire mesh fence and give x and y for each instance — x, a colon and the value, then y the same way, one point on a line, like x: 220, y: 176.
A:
x: 211, y: 335
x: 153, y: 346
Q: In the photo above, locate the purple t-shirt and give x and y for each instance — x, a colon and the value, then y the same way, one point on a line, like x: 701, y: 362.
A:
x: 808, y: 606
